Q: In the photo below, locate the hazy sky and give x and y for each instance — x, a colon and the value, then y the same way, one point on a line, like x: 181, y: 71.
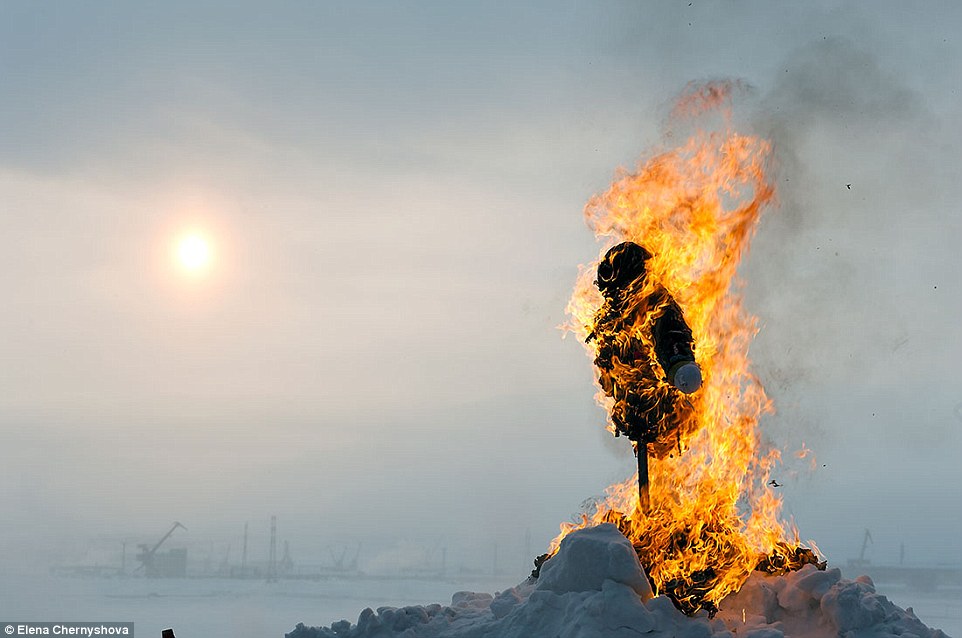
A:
x: 394, y: 193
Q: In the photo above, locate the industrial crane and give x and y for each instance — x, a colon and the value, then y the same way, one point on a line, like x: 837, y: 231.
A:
x: 146, y: 556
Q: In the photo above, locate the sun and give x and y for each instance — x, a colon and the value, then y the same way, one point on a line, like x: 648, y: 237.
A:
x: 194, y: 253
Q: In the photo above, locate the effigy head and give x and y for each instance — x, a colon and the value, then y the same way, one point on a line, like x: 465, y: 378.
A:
x: 621, y: 265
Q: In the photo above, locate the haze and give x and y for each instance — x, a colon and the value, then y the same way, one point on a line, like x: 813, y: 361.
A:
x: 393, y: 196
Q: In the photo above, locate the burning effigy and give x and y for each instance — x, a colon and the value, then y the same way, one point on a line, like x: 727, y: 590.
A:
x: 702, y: 519
x: 694, y: 544
x: 639, y: 329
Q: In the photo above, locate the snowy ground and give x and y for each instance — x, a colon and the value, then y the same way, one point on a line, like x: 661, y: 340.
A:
x: 595, y: 588
x: 248, y: 609
x: 211, y: 608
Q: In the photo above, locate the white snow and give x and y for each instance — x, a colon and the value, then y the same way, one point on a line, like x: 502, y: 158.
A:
x: 595, y: 588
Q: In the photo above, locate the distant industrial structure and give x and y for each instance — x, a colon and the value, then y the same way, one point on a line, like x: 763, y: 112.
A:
x: 168, y: 557
x: 923, y: 578
x: 169, y: 564
x: 155, y: 562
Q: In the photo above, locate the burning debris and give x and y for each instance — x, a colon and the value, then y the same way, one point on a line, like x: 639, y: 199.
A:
x: 680, y: 226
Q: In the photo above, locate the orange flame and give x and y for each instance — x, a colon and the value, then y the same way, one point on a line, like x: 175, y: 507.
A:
x: 695, y: 207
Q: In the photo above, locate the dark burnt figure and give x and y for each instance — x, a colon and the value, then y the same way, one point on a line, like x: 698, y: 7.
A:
x: 645, y: 357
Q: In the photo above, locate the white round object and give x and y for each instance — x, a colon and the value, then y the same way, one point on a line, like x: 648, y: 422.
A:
x: 688, y: 378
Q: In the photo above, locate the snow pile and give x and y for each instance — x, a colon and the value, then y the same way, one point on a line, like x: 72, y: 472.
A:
x: 817, y: 604
x: 595, y: 588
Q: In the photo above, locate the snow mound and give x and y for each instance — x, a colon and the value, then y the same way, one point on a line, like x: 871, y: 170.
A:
x: 818, y: 604
x: 589, y: 558
x: 595, y: 588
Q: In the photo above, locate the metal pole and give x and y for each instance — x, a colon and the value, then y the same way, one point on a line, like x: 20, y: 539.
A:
x: 272, y: 560
x: 243, y: 572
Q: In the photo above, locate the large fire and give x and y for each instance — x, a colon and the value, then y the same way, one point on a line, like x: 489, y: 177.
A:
x: 711, y: 519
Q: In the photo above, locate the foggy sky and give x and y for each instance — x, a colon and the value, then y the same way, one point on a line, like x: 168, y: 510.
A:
x: 395, y: 193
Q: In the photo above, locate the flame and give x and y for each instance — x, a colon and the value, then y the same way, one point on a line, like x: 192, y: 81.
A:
x: 695, y: 206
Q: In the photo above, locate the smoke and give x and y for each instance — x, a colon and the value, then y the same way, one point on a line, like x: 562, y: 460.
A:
x: 845, y: 273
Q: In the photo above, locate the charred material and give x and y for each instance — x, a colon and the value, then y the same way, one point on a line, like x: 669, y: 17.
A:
x: 785, y: 558
x: 688, y: 594
x: 538, y: 564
